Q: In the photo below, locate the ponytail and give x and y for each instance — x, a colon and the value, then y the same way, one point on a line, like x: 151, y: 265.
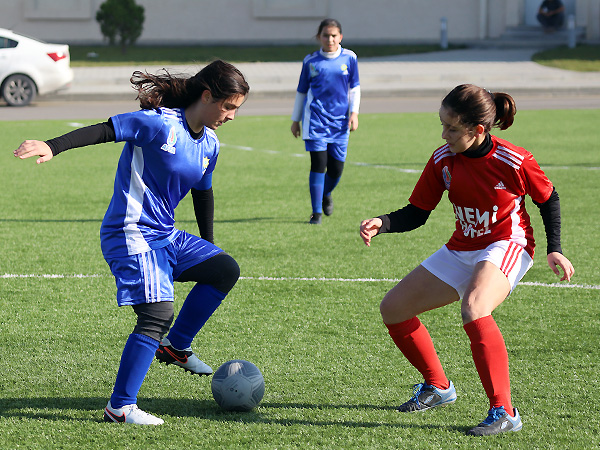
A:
x: 477, y: 106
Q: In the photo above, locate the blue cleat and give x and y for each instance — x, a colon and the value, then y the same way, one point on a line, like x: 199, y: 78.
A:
x: 497, y: 421
x: 426, y: 397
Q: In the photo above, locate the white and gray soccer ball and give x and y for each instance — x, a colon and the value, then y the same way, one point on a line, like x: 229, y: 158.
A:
x: 238, y: 385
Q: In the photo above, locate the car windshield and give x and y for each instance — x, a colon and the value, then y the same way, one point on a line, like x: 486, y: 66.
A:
x: 29, y: 37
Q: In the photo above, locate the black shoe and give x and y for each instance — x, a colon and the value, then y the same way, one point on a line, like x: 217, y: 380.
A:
x: 328, y: 205
x: 186, y: 359
x: 315, y: 219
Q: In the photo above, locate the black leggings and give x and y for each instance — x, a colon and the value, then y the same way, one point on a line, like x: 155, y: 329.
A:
x: 155, y: 319
x: 323, y: 161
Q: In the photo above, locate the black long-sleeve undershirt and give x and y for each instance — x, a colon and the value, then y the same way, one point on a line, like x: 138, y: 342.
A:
x: 204, y: 204
x: 93, y: 134
x: 411, y: 217
x: 204, y: 208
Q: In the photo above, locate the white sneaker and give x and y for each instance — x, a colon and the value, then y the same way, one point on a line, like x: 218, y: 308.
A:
x: 130, y: 414
x: 185, y: 358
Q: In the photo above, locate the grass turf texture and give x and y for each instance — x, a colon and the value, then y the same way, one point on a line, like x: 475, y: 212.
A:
x: 333, y: 376
x: 584, y: 58
x: 112, y: 55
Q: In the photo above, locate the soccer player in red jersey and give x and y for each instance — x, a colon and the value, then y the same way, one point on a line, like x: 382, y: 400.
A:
x: 489, y: 252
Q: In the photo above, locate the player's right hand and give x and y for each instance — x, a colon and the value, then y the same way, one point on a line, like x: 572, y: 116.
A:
x: 370, y: 228
x: 34, y: 148
x: 296, y: 129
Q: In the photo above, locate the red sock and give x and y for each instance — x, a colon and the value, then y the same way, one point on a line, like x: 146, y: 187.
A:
x: 413, y: 339
x: 491, y: 360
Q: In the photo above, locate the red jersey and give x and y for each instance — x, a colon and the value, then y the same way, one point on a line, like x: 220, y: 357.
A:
x: 487, y: 194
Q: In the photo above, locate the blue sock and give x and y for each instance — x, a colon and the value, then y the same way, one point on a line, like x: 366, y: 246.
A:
x: 200, y: 304
x: 135, y: 362
x: 316, y: 181
x: 330, y: 184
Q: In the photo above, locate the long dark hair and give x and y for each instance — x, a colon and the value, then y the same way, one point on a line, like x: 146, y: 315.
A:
x: 474, y: 106
x: 220, y: 78
x: 328, y: 23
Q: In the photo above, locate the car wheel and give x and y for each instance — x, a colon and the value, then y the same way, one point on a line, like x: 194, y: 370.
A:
x: 18, y: 90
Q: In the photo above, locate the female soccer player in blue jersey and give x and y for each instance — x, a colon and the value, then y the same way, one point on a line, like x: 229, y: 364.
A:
x: 170, y: 149
x: 327, y: 103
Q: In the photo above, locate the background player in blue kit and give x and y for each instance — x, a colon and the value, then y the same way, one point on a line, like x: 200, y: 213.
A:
x: 327, y: 104
x: 170, y: 149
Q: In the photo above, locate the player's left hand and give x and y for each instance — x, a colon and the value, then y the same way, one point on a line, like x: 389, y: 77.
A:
x: 556, y: 260
x: 353, y: 121
x: 34, y: 148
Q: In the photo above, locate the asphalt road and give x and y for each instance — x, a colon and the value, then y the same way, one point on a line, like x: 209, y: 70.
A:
x: 81, y: 110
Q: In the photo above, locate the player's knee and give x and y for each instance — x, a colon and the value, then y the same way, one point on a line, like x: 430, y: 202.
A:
x: 154, y: 319
x: 471, y: 311
x: 229, y: 273
x: 389, y: 309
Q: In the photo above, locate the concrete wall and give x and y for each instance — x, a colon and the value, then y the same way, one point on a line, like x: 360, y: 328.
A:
x: 278, y: 21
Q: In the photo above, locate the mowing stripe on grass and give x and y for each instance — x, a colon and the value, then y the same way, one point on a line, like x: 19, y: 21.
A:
x: 339, y: 280
x: 379, y: 166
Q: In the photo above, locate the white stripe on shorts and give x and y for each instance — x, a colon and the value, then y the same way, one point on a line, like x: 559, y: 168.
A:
x: 150, y: 272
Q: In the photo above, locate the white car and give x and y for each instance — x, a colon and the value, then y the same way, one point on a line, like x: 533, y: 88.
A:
x: 29, y: 67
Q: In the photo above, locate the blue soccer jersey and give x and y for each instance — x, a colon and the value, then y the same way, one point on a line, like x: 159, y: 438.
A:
x: 326, y: 83
x: 159, y: 165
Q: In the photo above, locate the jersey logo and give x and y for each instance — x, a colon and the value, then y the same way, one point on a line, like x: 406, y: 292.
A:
x: 500, y: 185
x: 171, y: 139
x: 313, y: 70
x: 447, y: 177
x: 205, y: 162
x: 344, y: 68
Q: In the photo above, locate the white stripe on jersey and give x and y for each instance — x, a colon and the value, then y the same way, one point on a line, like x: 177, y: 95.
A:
x: 306, y: 116
x: 135, y: 199
x: 441, y: 153
x: 517, y: 233
x: 172, y: 113
x: 509, y: 157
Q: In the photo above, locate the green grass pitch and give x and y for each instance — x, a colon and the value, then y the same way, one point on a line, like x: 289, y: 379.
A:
x: 333, y: 376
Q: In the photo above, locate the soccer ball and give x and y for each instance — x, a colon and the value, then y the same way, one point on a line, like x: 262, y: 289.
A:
x: 238, y: 385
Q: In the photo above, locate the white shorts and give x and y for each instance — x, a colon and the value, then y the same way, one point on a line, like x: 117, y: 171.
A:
x: 455, y: 268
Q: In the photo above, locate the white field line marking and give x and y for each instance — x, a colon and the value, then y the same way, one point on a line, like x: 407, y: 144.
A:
x: 396, y: 280
x: 377, y: 166
x: 339, y: 280
x: 33, y: 275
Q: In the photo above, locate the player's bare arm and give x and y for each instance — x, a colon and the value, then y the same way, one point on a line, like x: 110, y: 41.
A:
x: 31, y: 148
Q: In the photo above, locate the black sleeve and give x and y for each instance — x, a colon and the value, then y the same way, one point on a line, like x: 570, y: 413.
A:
x: 94, y: 134
x: 550, y: 212
x: 204, y: 207
x: 405, y: 219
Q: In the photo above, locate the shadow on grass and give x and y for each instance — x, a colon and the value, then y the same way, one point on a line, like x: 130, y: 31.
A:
x: 58, y: 409
x: 242, y: 220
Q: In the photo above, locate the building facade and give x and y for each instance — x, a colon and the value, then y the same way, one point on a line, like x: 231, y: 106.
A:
x: 264, y: 22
